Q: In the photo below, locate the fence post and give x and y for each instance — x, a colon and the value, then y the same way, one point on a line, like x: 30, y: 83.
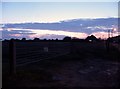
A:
x: 12, y: 54
x: 108, y: 45
x: 71, y: 47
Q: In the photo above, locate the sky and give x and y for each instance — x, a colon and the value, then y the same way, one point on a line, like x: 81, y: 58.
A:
x: 59, y: 0
x: 20, y: 12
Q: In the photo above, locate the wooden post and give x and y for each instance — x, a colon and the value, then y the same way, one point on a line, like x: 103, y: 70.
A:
x: 71, y: 47
x: 12, y: 54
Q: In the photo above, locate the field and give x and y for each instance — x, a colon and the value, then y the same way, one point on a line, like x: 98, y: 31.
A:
x: 82, y: 64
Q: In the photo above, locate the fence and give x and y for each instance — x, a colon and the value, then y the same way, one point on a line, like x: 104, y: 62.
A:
x: 22, y: 53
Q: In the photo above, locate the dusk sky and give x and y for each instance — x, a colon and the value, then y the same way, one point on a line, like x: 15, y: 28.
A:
x: 50, y: 12
x: 16, y: 12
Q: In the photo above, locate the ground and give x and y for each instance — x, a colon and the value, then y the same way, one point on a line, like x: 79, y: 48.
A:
x: 83, y: 68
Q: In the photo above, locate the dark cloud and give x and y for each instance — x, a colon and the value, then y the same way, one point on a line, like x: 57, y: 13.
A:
x: 76, y: 25
x: 6, y: 34
x: 87, y: 26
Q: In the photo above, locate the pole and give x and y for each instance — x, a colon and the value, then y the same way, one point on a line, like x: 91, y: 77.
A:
x: 12, y: 54
x: 108, y: 34
x: 108, y: 42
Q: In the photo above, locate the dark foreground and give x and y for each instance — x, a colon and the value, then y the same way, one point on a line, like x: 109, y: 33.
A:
x: 87, y: 68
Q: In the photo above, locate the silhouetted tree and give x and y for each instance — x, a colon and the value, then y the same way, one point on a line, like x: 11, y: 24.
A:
x: 91, y: 38
x: 45, y: 39
x: 115, y: 39
x: 67, y: 38
x: 17, y: 39
x: 56, y: 39
x: 75, y: 39
x: 36, y: 39
x: 23, y: 39
x: 12, y: 39
x: 5, y: 40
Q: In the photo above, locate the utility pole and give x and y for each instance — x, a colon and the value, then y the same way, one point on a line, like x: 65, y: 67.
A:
x: 108, y: 33
x: 108, y: 41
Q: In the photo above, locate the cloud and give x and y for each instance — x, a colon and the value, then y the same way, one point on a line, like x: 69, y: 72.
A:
x: 40, y: 33
x: 99, y: 28
x: 77, y: 25
x: 37, y: 33
x: 79, y: 28
x: 7, y: 34
x: 47, y: 36
x: 104, y: 35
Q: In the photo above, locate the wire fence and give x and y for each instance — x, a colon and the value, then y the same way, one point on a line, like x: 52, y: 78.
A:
x: 29, y: 52
x: 22, y: 53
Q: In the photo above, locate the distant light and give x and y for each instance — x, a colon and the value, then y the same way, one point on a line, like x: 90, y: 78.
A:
x: 90, y: 40
x: 114, y: 29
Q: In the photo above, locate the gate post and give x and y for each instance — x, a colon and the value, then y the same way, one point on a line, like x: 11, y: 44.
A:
x: 12, y: 55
